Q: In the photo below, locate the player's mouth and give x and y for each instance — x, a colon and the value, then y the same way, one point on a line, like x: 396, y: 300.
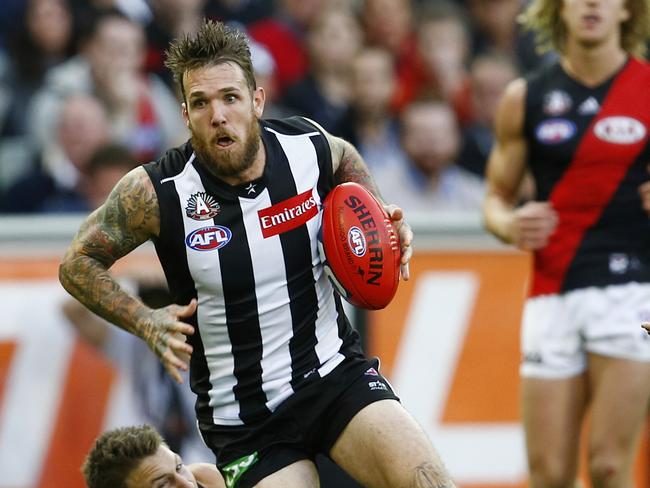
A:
x: 591, y: 20
x: 224, y: 142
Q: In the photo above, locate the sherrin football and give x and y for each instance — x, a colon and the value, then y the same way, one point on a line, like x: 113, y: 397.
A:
x: 361, y: 247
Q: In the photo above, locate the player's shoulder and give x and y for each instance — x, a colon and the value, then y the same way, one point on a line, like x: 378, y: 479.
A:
x: 294, y: 125
x: 171, y: 163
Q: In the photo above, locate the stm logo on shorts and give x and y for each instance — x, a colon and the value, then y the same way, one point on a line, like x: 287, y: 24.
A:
x: 208, y: 238
x: 287, y: 215
x: 233, y: 471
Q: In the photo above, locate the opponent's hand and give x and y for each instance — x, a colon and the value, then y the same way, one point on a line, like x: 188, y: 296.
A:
x: 161, y: 331
x: 532, y: 225
x: 405, y: 237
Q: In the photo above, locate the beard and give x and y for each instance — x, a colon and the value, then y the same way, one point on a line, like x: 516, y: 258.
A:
x: 230, y: 162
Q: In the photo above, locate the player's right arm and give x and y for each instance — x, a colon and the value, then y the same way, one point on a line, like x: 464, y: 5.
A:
x: 529, y: 226
x: 129, y: 217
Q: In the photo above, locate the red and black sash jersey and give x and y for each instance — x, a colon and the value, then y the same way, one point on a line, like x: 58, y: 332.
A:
x: 588, y: 151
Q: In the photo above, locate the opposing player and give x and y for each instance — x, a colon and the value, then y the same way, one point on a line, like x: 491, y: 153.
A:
x: 234, y: 214
x: 581, y: 127
x: 137, y: 457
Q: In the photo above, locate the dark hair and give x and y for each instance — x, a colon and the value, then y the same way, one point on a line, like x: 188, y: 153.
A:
x: 214, y: 43
x: 116, y: 453
x: 109, y: 156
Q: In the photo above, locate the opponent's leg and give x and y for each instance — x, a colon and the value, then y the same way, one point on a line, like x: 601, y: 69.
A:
x: 621, y: 389
x: 301, y: 474
x: 553, y: 410
x: 384, y: 447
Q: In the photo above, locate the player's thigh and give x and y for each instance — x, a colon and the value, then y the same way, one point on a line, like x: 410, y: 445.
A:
x: 620, y: 394
x: 383, y: 446
x: 301, y: 474
x: 552, y: 411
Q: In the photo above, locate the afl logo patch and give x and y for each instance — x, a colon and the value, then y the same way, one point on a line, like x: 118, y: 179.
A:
x: 555, y: 131
x: 357, y: 241
x: 620, y: 130
x: 208, y: 238
x: 202, y: 206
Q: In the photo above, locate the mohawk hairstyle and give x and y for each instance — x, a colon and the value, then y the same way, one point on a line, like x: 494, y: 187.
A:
x: 214, y: 43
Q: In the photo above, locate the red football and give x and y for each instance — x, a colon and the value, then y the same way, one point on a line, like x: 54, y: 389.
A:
x: 361, y: 247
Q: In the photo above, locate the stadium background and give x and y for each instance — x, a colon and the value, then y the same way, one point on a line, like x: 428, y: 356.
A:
x: 448, y: 342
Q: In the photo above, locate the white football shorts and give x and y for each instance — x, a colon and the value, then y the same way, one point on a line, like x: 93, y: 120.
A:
x: 559, y: 330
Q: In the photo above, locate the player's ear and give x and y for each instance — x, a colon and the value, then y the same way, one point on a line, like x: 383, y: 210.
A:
x: 186, y: 116
x: 259, y: 97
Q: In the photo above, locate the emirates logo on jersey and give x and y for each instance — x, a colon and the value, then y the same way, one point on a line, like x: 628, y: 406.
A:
x: 288, y: 214
x: 202, y: 206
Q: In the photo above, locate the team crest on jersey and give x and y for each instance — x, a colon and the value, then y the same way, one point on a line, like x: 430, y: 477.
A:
x: 208, y: 238
x: 202, y: 206
x: 555, y: 131
x: 620, y: 130
x: 557, y: 102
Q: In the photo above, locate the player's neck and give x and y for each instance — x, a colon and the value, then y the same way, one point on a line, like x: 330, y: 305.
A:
x: 592, y: 65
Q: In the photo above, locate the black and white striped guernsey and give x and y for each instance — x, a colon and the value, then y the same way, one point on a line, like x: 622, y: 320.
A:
x: 268, y: 320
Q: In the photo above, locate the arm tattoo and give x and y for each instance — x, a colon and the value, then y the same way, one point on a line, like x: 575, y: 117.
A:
x: 429, y: 476
x: 129, y: 217
x: 351, y: 166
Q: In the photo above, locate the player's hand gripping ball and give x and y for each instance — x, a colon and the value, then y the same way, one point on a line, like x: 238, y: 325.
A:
x: 361, y: 247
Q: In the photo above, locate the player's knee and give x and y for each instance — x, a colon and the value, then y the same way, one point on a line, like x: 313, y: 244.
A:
x: 606, y: 469
x: 551, y: 473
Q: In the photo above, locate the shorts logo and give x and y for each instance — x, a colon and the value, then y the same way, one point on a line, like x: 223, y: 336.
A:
x: 555, y: 131
x: 233, y: 471
x: 357, y: 241
x: 620, y: 130
x: 377, y: 385
x: 202, y: 206
x: 208, y: 238
x: 288, y: 214
x: 371, y: 372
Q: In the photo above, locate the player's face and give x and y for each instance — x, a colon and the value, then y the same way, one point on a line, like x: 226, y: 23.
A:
x: 222, y: 115
x: 164, y: 469
x: 593, y: 22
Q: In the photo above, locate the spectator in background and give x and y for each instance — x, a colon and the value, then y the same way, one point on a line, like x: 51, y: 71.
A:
x: 265, y: 71
x: 370, y: 124
x: 54, y: 181
x: 389, y: 24
x: 490, y: 73
x: 432, y: 181
x: 41, y: 39
x: 323, y: 95
x: 171, y: 19
x: 284, y: 35
x: 143, y: 113
x: 104, y: 169
x: 443, y: 50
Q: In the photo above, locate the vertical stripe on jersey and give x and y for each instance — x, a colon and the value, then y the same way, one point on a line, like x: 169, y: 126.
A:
x: 211, y: 305
x: 315, y: 338
x: 591, y: 179
x: 272, y: 297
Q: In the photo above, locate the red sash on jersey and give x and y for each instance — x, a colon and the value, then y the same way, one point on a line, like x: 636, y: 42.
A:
x: 593, y: 177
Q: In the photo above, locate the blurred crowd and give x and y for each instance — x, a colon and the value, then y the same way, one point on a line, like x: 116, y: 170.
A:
x: 85, y: 96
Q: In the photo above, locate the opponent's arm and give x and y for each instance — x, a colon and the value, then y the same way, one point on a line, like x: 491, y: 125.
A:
x: 529, y: 226
x: 129, y: 217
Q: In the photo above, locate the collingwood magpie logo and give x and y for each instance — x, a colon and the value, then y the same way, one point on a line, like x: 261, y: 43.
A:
x: 202, y: 206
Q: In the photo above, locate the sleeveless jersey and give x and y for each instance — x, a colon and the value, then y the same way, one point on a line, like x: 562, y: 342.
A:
x: 268, y: 321
x: 588, y: 152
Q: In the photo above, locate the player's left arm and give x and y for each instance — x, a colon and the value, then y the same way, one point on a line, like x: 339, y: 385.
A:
x: 348, y: 165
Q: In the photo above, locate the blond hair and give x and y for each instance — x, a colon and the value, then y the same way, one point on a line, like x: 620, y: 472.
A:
x: 543, y: 17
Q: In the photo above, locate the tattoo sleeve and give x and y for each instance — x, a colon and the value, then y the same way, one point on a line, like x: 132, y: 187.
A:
x: 349, y: 166
x: 129, y: 217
